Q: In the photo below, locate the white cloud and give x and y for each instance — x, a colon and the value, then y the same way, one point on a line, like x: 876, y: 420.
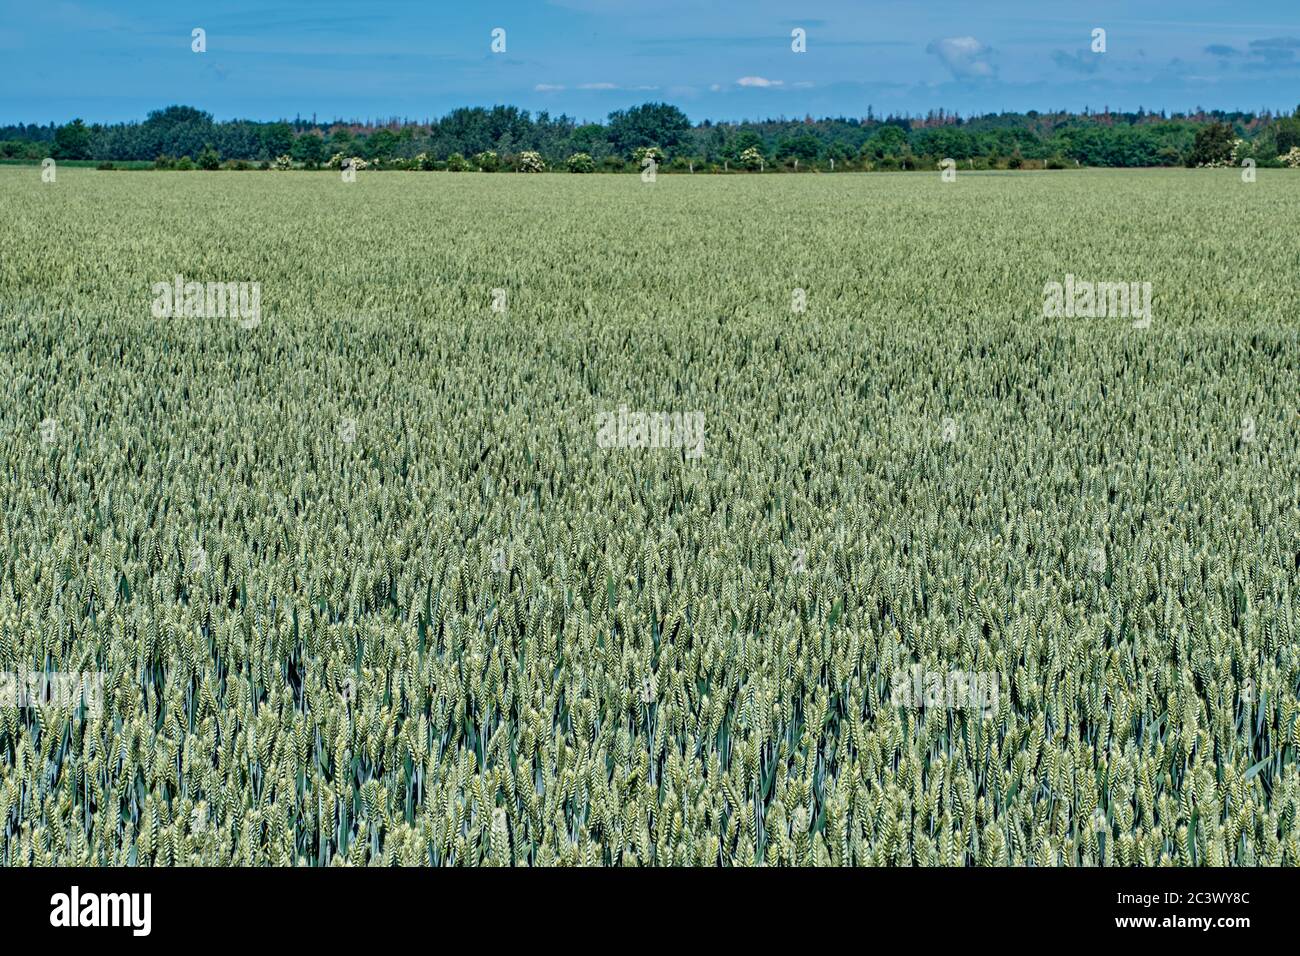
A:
x: 966, y: 57
x: 597, y: 86
x: 547, y: 88
x: 760, y: 81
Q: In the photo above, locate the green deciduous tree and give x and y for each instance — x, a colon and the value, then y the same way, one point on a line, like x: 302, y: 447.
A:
x: 1213, y: 145
x: 802, y: 146
x: 888, y: 140
x: 72, y: 141
x: 309, y: 149
x: 1286, y: 134
x: 277, y: 139
x: 652, y: 124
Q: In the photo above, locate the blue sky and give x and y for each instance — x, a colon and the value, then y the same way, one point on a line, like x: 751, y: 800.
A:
x: 724, y: 60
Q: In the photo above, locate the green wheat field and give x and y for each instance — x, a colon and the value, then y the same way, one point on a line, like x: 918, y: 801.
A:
x: 943, y: 582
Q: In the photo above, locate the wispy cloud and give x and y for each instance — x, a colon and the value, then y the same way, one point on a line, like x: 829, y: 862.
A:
x: 966, y: 57
x: 1078, y: 62
x: 548, y: 87
x: 1275, y: 48
x: 759, y: 81
x: 597, y: 86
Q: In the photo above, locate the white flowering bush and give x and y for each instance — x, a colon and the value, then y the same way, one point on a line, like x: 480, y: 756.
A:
x: 531, y: 162
x: 337, y: 160
x: 580, y: 163
x: 752, y: 158
x: 641, y: 154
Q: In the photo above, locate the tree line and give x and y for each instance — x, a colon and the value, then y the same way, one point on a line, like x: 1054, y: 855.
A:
x: 506, y: 137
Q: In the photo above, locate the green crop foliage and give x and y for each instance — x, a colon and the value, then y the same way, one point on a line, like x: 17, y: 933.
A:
x: 458, y: 632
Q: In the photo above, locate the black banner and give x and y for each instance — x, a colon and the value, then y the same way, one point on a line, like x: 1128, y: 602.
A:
x: 333, y: 905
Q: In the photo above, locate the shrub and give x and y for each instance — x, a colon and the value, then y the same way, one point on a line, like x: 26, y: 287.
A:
x: 752, y: 158
x: 337, y: 160
x: 643, y: 153
x: 208, y: 159
x: 185, y: 163
x: 1292, y: 159
x: 282, y: 162
x: 456, y: 163
x: 580, y: 163
x: 164, y: 162
x: 531, y: 162
x: 104, y: 165
x: 487, y: 161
